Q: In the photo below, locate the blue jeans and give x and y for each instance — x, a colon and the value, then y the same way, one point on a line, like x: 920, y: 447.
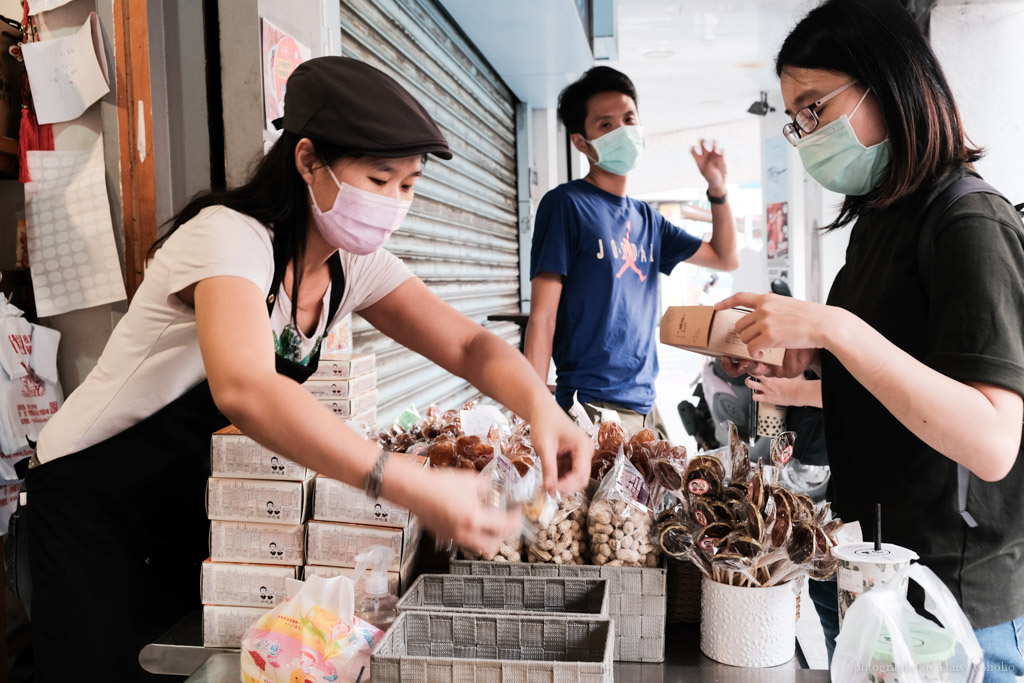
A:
x: 1003, y: 644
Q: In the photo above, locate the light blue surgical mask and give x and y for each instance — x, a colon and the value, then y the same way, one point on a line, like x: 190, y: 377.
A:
x: 619, y: 150
x: 834, y: 157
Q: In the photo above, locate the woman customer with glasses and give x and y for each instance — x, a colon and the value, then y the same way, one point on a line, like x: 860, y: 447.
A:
x: 922, y: 368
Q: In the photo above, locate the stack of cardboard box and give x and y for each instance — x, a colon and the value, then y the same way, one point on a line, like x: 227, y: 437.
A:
x: 347, y: 384
x: 346, y: 521
x: 258, y: 503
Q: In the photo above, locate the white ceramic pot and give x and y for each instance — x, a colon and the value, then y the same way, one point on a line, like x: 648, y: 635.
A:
x: 752, y: 627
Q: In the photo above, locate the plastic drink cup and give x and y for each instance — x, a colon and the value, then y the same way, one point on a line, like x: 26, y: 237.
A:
x: 861, y: 568
x: 771, y: 419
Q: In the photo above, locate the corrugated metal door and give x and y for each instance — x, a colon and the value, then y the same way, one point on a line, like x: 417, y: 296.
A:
x: 461, y: 236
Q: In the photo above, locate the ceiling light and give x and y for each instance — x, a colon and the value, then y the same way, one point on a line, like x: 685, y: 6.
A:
x: 761, y: 107
x: 750, y: 65
x: 659, y: 53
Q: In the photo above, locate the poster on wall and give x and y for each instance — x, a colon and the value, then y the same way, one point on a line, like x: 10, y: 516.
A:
x: 776, y: 206
x: 777, y: 232
x: 281, y: 54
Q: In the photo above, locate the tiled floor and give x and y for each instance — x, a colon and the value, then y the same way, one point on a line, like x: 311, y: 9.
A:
x: 679, y: 370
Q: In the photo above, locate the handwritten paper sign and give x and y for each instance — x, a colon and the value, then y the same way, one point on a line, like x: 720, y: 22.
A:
x: 67, y: 74
x: 71, y: 247
x: 40, y: 6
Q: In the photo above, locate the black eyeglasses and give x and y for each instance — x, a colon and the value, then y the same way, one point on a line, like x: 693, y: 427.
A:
x: 806, y: 120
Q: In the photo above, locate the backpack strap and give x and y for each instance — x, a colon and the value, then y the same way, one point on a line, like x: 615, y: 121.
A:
x: 938, y: 205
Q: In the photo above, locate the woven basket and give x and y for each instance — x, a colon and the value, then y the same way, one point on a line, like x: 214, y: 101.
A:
x: 445, y: 647
x: 683, y: 590
x: 523, y: 595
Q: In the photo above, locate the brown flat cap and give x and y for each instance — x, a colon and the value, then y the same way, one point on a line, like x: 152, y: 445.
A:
x: 345, y: 102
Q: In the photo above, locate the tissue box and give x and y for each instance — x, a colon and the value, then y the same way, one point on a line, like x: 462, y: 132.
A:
x: 256, y: 500
x: 710, y: 332
x: 226, y: 626
x: 244, y: 585
x: 341, y: 388
x: 335, y: 501
x: 337, y: 544
x: 347, y: 408
x: 257, y: 543
x: 343, y: 366
x: 233, y: 454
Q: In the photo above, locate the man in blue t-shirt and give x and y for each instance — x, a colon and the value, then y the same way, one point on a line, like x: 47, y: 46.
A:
x: 597, y: 254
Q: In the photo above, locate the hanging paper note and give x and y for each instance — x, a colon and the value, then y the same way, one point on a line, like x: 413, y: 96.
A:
x: 40, y: 6
x: 71, y: 247
x: 67, y: 74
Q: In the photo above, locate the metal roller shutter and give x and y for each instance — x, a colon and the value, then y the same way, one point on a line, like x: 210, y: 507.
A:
x: 461, y: 236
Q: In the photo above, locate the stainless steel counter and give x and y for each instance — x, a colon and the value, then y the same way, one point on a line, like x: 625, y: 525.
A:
x: 180, y: 652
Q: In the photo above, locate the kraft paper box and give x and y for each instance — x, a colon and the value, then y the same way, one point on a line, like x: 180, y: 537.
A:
x: 336, y: 544
x: 226, y: 626
x: 346, y: 408
x: 344, y: 366
x: 257, y: 543
x: 256, y: 500
x: 335, y: 501
x: 713, y: 333
x: 233, y: 454
x: 341, y: 388
x: 244, y: 585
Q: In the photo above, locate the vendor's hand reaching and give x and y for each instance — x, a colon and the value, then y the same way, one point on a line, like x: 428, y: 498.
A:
x: 711, y: 164
x: 556, y: 438
x: 452, y: 507
x: 784, y: 391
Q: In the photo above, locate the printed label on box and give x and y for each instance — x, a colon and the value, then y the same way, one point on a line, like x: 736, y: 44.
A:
x: 257, y: 543
x: 226, y: 626
x: 344, y: 366
x: 335, y: 501
x: 255, y: 500
x: 232, y: 454
x: 347, y: 407
x: 244, y: 585
x: 341, y: 388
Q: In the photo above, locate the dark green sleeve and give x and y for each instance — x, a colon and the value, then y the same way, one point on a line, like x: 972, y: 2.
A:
x: 976, y: 294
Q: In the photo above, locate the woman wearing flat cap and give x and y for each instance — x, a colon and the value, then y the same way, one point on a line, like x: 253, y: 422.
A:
x: 226, y: 324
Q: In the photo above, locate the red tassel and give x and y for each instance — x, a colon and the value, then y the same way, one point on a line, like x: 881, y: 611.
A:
x: 28, y: 138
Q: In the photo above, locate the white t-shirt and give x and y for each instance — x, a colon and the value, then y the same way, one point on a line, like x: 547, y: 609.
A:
x: 153, y: 358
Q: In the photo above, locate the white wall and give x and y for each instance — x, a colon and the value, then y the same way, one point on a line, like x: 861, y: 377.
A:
x: 981, y: 51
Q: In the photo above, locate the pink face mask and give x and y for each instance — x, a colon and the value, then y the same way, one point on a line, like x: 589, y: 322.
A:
x: 360, y: 222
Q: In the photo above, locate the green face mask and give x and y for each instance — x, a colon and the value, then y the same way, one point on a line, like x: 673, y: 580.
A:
x: 835, y: 157
x: 619, y: 150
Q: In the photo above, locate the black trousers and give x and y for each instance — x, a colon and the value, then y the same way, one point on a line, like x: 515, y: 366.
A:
x: 116, y: 539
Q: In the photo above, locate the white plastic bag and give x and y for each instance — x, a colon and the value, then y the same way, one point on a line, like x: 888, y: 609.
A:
x: 911, y: 648
x: 313, y: 636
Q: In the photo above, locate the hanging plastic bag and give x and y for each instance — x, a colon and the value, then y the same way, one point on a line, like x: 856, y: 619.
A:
x: 312, y: 637
x: 619, y: 519
x: 884, y: 639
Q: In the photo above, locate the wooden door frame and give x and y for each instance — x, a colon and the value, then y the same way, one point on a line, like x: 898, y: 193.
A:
x: 135, y: 126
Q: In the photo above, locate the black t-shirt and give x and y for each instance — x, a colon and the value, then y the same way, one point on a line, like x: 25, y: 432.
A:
x: 969, y: 325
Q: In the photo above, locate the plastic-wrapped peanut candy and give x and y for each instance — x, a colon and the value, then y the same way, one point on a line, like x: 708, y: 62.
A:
x: 619, y: 522
x: 511, y: 550
x: 558, y: 538
x: 504, y: 489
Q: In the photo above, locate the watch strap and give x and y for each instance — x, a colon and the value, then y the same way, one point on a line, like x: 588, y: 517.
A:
x: 375, y: 479
x: 717, y: 200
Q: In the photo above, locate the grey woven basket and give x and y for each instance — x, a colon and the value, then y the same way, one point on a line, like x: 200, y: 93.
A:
x: 636, y: 600
x: 524, y: 595
x: 443, y: 647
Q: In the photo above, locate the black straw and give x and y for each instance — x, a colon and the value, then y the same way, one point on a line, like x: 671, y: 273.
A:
x: 878, y: 527
x: 361, y: 670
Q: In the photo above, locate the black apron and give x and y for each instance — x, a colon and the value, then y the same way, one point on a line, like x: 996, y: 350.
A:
x: 118, y: 531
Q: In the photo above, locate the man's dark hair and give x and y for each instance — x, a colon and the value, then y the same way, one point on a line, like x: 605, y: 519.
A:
x: 879, y: 43
x: 573, y: 100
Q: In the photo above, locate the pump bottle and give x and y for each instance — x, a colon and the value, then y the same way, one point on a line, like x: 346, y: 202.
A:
x: 378, y: 605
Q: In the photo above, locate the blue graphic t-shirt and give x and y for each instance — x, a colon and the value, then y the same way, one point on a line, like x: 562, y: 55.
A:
x: 609, y: 250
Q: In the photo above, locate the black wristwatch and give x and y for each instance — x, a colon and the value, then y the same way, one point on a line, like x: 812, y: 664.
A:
x: 717, y: 200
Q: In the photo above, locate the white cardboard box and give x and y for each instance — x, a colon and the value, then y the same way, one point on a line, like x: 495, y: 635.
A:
x: 244, y: 585
x: 233, y: 454
x: 337, y: 544
x: 257, y: 500
x: 397, y: 581
x: 347, y: 408
x: 255, y: 543
x: 344, y: 366
x: 226, y: 626
x: 364, y: 420
x: 335, y: 501
x: 341, y: 388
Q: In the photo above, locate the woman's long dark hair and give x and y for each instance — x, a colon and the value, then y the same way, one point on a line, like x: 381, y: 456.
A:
x: 276, y: 196
x: 879, y: 43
